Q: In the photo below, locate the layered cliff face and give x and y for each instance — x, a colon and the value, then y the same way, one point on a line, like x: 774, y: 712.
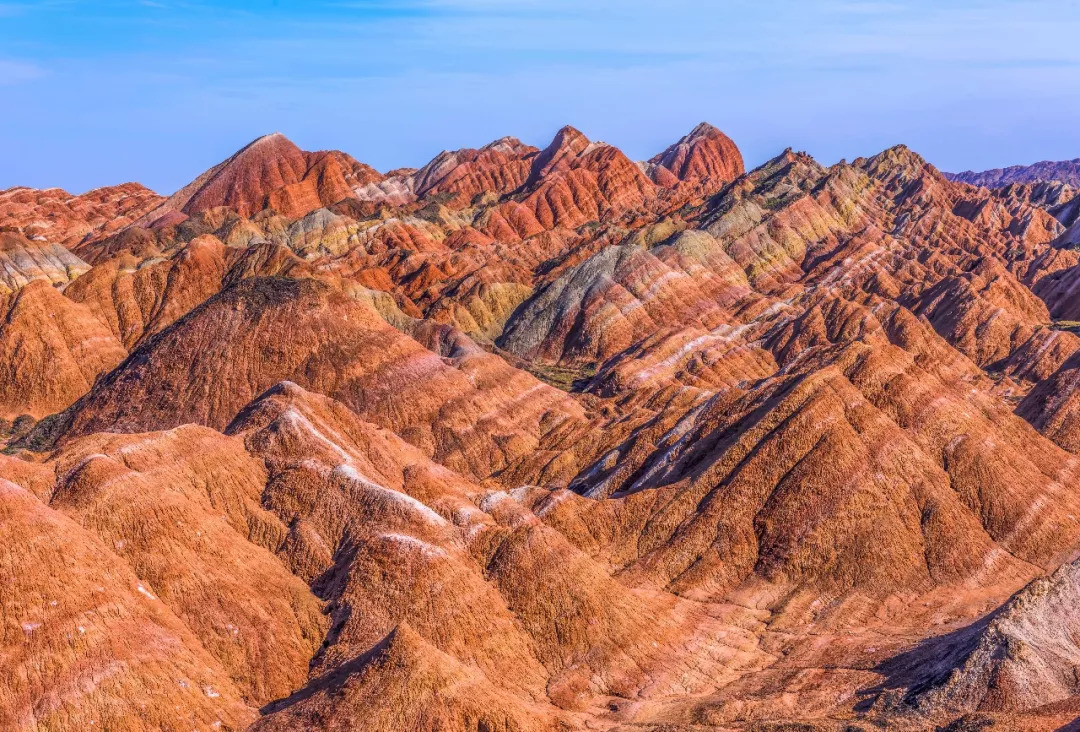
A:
x: 541, y: 438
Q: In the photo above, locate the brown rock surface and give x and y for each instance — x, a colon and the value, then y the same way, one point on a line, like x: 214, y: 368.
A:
x: 478, y: 413
x: 182, y: 508
x: 138, y: 297
x: 404, y: 683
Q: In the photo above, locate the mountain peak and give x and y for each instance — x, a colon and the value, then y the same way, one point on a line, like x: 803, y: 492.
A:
x: 273, y: 143
x: 567, y: 144
x: 703, y: 129
x: 1065, y: 171
x: 270, y: 171
x: 898, y: 159
x: 568, y: 134
x: 507, y: 144
x: 705, y: 156
x: 268, y: 137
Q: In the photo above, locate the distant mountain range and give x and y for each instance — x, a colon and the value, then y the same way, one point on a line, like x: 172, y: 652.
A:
x: 1065, y: 171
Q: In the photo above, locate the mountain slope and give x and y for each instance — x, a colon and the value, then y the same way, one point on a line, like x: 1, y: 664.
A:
x: 542, y: 438
x: 51, y: 350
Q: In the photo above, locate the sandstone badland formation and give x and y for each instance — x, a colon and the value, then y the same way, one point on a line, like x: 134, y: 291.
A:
x: 542, y: 438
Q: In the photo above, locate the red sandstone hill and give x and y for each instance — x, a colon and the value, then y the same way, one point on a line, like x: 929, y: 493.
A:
x: 706, y: 158
x: 271, y: 172
x: 541, y: 438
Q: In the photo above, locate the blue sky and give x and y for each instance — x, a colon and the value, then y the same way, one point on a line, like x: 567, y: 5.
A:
x: 107, y: 91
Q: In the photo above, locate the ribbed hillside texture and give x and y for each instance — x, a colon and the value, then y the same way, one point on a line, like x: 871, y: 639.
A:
x: 543, y: 438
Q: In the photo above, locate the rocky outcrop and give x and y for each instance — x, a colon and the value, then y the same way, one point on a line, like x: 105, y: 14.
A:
x: 404, y: 683
x: 137, y: 297
x: 1023, y: 657
x: 498, y: 168
x: 23, y: 261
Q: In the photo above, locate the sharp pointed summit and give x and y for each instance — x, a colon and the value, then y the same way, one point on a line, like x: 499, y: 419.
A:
x: 567, y: 144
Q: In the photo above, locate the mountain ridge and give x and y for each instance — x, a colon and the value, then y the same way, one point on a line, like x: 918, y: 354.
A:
x: 1065, y: 171
x: 541, y: 438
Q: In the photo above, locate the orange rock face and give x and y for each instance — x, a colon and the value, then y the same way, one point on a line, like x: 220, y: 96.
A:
x: 541, y: 439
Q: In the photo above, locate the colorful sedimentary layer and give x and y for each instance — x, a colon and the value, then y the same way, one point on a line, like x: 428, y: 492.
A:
x: 542, y: 438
